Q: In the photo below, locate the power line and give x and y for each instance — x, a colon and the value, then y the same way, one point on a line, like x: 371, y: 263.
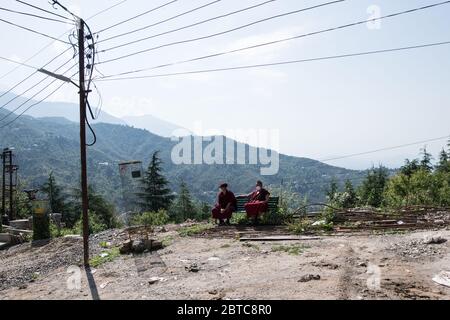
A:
x: 162, y: 21
x: 31, y: 15
x: 106, y: 9
x: 33, y: 31
x: 19, y: 63
x: 29, y: 99
x: 376, y: 151
x: 221, y: 33
x: 35, y: 72
x: 44, y: 10
x: 107, y: 78
x: 385, y: 149
x: 286, y: 39
x: 139, y: 15
x: 185, y: 27
x: 35, y: 104
x: 41, y: 50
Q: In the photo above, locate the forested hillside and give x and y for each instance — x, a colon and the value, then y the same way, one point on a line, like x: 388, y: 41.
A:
x: 51, y: 144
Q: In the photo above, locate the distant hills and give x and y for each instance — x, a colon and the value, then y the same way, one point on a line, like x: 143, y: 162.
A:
x: 44, y: 144
x: 155, y: 125
x: 69, y: 111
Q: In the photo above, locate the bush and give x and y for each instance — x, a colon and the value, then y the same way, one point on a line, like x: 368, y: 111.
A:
x: 282, y: 216
x: 95, y: 225
x: 239, y: 218
x: 158, y: 218
x: 301, y: 226
x: 194, y: 230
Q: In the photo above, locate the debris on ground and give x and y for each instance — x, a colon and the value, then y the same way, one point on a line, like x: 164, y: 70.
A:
x: 443, y: 278
x: 434, y: 240
x: 328, y: 265
x: 193, y: 268
x: 418, y: 248
x: 309, y: 277
x: 155, y: 280
x: 140, y: 246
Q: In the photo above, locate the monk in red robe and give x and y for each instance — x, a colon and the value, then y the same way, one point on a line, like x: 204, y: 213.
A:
x: 225, y: 206
x: 258, y: 202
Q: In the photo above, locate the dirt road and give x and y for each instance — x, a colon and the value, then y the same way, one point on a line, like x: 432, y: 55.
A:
x: 397, y: 266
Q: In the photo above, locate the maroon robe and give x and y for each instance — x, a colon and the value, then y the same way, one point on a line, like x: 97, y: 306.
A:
x: 258, y: 203
x: 223, y: 200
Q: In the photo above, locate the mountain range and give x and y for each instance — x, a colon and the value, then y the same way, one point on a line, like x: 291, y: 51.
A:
x: 47, y: 140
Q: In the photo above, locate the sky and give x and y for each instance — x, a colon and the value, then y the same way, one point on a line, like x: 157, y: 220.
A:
x: 322, y: 109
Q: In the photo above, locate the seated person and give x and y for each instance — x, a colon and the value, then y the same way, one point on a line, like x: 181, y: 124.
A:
x: 225, y: 206
x: 258, y: 202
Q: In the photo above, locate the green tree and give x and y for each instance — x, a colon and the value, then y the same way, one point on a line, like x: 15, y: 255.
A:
x: 444, y: 162
x: 183, y: 207
x: 205, y: 211
x: 54, y: 193
x: 156, y: 195
x: 422, y: 188
x: 103, y: 211
x: 351, y: 198
x: 425, y: 163
x: 332, y: 190
x: 410, y: 167
x: 372, y: 188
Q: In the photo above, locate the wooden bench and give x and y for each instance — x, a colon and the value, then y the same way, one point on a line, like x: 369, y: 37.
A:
x: 242, y: 200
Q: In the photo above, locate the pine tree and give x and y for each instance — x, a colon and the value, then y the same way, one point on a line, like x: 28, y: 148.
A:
x: 183, y: 207
x: 425, y: 163
x: 156, y: 194
x: 444, y: 162
x: 54, y: 193
x: 410, y: 167
x: 372, y: 189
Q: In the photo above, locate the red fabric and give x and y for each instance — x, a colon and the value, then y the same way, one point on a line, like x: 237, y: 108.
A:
x: 223, y: 199
x: 217, y: 214
x: 260, y: 195
x: 255, y: 208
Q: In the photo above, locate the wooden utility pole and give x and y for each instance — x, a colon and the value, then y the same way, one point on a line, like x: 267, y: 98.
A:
x: 3, y: 189
x: 84, y: 185
x: 11, y: 190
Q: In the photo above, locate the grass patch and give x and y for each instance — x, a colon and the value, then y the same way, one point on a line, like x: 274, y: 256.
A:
x: 167, y: 241
x: 194, y: 230
x: 239, y: 218
x: 250, y: 245
x: 294, y: 249
x: 104, y: 257
x: 104, y: 244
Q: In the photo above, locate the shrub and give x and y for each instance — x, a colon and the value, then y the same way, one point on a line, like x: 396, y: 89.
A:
x: 157, y: 218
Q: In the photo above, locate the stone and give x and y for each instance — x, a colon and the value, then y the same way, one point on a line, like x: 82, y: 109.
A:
x: 434, y: 240
x: 138, y: 246
x: 126, y: 247
x: 155, y: 280
x: 309, y: 277
x: 153, y: 245
x: 192, y: 268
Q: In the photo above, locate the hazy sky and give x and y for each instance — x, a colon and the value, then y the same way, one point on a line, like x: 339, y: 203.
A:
x: 322, y: 109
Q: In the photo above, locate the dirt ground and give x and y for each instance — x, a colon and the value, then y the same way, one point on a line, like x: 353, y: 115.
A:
x: 387, y: 266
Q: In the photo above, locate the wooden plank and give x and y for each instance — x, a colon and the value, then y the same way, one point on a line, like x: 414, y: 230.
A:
x: 279, y: 238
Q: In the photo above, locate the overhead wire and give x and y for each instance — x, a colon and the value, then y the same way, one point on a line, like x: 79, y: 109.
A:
x: 218, y: 33
x: 279, y: 40
x: 184, y: 27
x: 112, y: 77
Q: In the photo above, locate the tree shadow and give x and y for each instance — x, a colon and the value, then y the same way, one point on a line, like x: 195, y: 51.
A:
x: 92, y: 284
